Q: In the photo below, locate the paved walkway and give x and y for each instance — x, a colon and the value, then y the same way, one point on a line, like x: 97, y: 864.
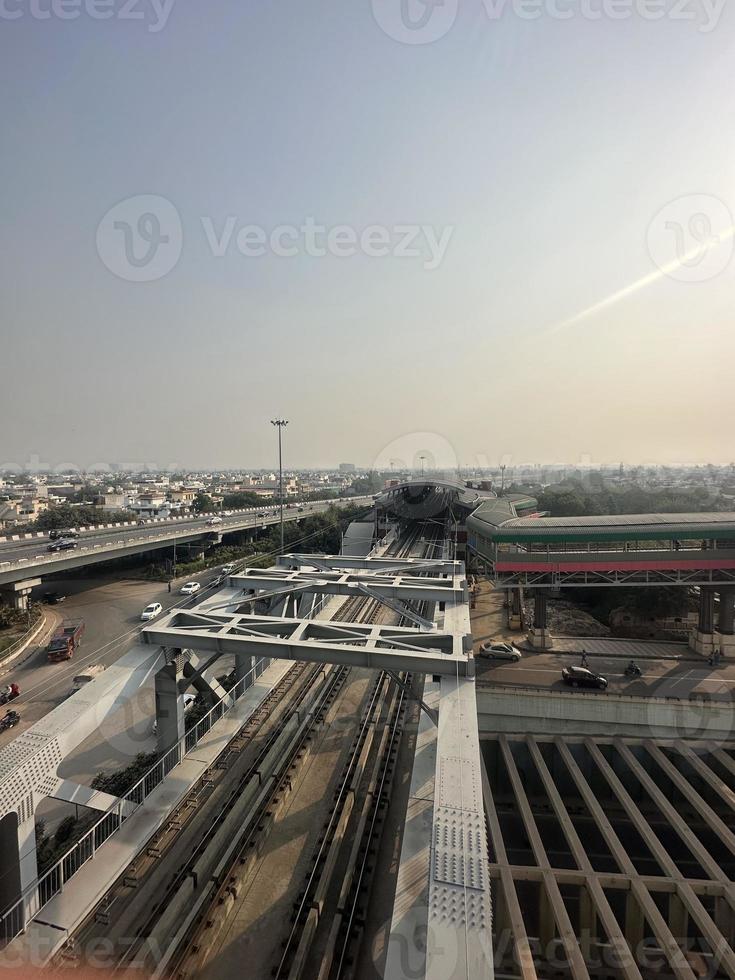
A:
x: 624, y: 648
x: 59, y: 917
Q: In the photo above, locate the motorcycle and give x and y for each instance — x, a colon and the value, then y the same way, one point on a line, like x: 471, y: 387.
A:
x: 633, y: 670
x: 9, y: 694
x: 9, y: 720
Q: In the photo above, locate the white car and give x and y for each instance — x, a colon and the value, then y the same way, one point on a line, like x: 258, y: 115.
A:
x: 229, y: 568
x: 151, y: 611
x: 501, y: 651
x: 190, y: 588
x: 213, y: 521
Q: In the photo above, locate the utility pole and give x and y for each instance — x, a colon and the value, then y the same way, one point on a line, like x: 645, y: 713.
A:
x: 280, y: 423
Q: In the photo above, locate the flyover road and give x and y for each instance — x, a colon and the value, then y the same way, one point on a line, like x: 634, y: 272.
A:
x: 28, y: 558
x: 110, y: 608
x: 661, y: 677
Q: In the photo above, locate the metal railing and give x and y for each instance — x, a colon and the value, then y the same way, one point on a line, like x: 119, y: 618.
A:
x: 8, y: 652
x: 14, y: 920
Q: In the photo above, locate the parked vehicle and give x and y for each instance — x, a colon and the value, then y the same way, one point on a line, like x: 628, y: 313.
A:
x: 63, y: 544
x: 213, y: 521
x: 583, y: 677
x: 59, y: 533
x: 190, y: 588
x: 9, y: 720
x: 152, y: 610
x: 53, y: 598
x: 66, y: 640
x: 9, y: 693
x: 94, y: 670
x: 501, y: 651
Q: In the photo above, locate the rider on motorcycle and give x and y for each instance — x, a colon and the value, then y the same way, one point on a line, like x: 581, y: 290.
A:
x: 633, y: 668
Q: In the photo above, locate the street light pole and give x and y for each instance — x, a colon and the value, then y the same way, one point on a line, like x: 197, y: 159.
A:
x: 422, y: 458
x: 280, y: 423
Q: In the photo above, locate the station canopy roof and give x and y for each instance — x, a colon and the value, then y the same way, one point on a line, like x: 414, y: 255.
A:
x: 618, y: 527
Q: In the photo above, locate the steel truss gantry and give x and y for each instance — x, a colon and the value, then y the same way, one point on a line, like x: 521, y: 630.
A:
x: 382, y: 579
x: 320, y: 641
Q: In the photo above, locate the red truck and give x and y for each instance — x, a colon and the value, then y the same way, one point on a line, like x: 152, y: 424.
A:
x: 66, y: 640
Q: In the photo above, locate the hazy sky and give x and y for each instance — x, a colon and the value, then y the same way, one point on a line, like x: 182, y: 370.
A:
x: 556, y: 177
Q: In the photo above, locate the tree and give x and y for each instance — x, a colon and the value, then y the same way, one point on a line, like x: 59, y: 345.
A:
x: 203, y: 504
x: 240, y: 499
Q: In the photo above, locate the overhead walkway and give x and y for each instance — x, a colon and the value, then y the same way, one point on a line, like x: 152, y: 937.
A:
x: 651, y: 549
x: 623, y: 550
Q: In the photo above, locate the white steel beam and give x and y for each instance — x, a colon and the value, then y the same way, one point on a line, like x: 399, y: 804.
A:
x: 360, y: 645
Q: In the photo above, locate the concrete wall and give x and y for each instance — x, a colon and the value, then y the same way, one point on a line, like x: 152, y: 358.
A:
x: 540, y: 712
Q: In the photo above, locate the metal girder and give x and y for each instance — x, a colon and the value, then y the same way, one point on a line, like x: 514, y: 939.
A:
x: 556, y: 579
x: 623, y: 954
x: 402, y: 608
x: 376, y: 566
x: 524, y: 953
x: 431, y: 713
x: 691, y: 901
x: 422, y: 588
x: 313, y: 640
x: 575, y: 960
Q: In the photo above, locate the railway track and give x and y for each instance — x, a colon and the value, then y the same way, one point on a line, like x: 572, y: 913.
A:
x: 199, y: 862
x: 328, y: 916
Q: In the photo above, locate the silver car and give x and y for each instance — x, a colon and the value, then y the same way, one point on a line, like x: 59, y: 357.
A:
x: 501, y: 651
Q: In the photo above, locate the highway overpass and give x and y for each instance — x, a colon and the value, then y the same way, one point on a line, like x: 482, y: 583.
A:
x: 26, y: 557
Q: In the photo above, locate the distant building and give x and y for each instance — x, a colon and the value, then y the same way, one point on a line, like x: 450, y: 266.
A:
x: 21, y: 511
x: 151, y: 505
x: 113, y: 501
x: 347, y: 467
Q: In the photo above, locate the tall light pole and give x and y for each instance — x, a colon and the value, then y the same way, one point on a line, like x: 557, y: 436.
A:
x: 422, y: 458
x: 280, y: 423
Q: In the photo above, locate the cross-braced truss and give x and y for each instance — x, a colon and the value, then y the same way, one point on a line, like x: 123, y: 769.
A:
x: 544, y: 579
x: 440, y: 566
x: 313, y: 640
x: 391, y: 584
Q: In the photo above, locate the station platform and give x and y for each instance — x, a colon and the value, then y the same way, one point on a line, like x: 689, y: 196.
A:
x: 48, y: 932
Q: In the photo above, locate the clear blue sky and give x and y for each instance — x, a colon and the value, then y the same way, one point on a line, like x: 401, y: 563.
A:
x: 546, y: 147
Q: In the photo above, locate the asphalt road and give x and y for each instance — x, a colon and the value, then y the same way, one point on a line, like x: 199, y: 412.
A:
x: 110, y: 608
x: 661, y: 678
